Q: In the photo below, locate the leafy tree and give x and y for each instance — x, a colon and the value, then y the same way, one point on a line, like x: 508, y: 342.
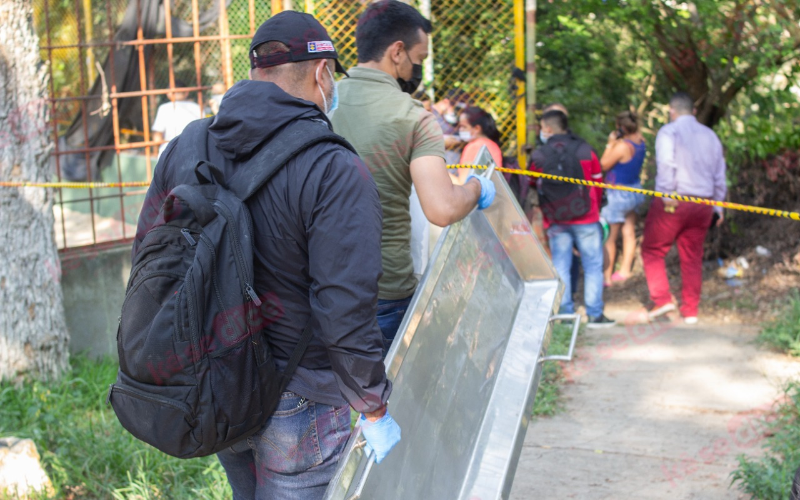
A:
x: 711, y: 49
x: 33, y: 332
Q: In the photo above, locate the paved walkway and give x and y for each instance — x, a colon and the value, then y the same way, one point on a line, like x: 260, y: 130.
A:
x: 654, y: 412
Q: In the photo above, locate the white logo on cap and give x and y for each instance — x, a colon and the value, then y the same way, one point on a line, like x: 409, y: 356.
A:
x: 323, y: 46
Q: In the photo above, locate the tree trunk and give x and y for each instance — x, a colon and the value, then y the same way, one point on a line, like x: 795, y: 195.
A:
x: 33, y: 333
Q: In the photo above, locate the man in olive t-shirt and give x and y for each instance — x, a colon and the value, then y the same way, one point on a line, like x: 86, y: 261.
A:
x: 400, y: 142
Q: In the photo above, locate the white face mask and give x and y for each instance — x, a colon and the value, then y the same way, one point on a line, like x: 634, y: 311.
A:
x: 464, y: 135
x: 334, y: 97
x: 450, y: 118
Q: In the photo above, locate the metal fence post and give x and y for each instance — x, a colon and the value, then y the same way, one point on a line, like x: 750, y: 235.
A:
x: 519, y: 62
x: 530, y: 68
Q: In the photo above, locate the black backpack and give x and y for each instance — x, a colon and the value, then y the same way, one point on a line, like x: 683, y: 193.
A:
x: 518, y: 183
x: 196, y: 374
x: 562, y: 201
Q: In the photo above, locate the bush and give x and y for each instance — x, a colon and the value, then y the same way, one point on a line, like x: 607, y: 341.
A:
x: 86, y: 452
x: 770, y: 477
x: 783, y: 332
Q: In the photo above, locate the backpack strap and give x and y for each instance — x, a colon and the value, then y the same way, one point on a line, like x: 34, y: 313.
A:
x: 192, y: 150
x: 292, y: 140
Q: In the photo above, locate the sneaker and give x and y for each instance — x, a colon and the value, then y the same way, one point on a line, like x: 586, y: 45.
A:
x: 690, y: 320
x: 600, y: 322
x: 660, y: 311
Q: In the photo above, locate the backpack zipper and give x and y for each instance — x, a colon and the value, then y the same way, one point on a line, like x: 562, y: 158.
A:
x: 244, y: 272
x: 136, y: 393
x: 186, y: 234
x: 139, y: 266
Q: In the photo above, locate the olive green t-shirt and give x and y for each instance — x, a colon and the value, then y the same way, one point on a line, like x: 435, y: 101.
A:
x: 389, y: 129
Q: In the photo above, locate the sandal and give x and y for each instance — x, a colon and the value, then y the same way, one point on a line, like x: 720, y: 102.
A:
x: 618, y: 278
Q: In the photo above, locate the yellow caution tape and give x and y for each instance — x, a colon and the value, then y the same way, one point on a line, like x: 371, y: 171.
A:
x: 691, y: 199
x: 76, y: 185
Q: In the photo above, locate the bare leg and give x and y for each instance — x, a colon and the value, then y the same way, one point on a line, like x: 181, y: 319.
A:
x: 628, y: 244
x: 611, y: 251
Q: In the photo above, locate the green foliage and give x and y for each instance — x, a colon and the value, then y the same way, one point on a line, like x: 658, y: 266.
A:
x: 770, y: 477
x: 548, y: 396
x: 87, y: 453
x: 712, y: 50
x: 587, y: 64
x: 783, y: 332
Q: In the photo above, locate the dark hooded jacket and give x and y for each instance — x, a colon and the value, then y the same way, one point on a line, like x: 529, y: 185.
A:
x: 317, y: 244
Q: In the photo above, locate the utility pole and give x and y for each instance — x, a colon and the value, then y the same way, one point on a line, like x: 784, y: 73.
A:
x: 530, y: 67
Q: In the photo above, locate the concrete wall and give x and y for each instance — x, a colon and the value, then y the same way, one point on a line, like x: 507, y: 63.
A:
x: 93, y: 282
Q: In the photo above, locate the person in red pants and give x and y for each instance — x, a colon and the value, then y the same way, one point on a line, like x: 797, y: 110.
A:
x: 690, y: 162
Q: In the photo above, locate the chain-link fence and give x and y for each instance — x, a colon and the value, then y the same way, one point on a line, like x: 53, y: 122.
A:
x: 473, y: 44
x: 112, y: 63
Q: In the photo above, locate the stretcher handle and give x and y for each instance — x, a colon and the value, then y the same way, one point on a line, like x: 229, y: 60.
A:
x: 576, y: 318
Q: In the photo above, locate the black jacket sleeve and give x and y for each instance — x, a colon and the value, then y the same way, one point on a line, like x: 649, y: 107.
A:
x: 343, y: 220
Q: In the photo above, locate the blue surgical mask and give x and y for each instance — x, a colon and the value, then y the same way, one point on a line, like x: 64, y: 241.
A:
x: 335, y: 98
x: 543, y: 137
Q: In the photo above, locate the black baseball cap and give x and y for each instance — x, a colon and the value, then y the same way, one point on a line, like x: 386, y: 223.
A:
x: 306, y: 38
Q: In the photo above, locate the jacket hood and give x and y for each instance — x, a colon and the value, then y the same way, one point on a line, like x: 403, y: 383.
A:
x: 253, y: 111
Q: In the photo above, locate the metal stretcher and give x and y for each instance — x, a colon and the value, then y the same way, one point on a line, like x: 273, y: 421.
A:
x: 465, y: 364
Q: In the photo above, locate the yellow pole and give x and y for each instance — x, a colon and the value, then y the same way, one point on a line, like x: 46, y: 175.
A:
x: 311, y: 8
x: 277, y: 7
x: 519, y: 62
x: 87, y: 21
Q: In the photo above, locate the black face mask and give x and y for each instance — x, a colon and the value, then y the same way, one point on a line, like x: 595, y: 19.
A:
x: 409, y: 86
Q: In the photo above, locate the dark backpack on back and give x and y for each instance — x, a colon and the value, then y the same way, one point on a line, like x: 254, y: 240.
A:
x: 196, y: 374
x: 518, y: 183
x: 562, y: 201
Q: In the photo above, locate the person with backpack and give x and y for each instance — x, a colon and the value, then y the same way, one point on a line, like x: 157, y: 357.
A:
x: 249, y: 328
x: 572, y: 212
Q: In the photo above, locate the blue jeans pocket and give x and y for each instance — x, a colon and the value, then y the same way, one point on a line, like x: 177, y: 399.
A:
x: 289, y: 443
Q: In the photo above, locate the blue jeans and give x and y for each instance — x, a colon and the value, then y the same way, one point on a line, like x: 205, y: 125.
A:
x: 589, y: 240
x: 293, y: 457
x: 390, y: 315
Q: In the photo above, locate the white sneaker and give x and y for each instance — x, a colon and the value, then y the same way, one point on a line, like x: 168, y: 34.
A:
x: 660, y: 311
x: 690, y: 320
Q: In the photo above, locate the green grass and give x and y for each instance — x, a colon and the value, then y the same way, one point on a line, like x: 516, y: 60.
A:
x: 770, y: 477
x: 783, y: 333
x: 86, y: 452
x: 548, y: 396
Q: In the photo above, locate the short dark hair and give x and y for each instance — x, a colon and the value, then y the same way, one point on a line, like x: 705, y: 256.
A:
x: 557, y: 120
x: 557, y: 106
x: 384, y: 23
x: 479, y: 117
x: 682, y: 101
x: 180, y: 83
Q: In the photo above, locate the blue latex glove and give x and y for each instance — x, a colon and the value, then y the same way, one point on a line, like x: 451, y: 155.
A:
x: 487, y: 191
x: 381, y: 435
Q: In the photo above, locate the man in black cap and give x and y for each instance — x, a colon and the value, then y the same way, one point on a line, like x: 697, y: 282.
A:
x: 317, y: 231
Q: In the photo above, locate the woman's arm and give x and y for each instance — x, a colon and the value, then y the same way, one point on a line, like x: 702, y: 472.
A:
x: 616, y: 151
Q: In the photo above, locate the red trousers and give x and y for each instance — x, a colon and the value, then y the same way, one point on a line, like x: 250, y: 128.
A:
x: 687, y: 227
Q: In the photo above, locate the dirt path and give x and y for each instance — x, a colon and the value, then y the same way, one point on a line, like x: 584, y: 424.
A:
x: 654, y: 412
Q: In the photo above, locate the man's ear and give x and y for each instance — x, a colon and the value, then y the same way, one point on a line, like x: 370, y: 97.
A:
x: 395, y: 51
